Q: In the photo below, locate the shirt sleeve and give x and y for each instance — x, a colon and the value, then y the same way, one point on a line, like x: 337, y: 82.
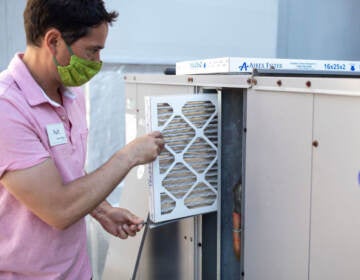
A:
x: 20, y: 146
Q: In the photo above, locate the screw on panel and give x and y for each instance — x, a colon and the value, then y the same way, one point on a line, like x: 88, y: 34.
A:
x: 279, y: 83
x: 254, y: 82
x: 308, y: 84
x: 315, y: 143
x: 248, y: 81
x: 190, y: 79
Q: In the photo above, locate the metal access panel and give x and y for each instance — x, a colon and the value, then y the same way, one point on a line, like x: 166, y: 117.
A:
x: 277, y: 185
x: 335, y: 229
x: 302, y: 194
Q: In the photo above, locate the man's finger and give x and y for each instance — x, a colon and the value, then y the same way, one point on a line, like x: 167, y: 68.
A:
x: 128, y: 230
x: 121, y: 233
x: 156, y: 134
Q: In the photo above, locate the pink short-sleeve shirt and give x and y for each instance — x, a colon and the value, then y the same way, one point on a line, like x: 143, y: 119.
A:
x: 32, y: 129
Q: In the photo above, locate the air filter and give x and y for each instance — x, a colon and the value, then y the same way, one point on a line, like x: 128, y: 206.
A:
x: 183, y: 180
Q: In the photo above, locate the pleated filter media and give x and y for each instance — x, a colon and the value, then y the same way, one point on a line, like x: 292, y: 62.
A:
x: 183, y: 180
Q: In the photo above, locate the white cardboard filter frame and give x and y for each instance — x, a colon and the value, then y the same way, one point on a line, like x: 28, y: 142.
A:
x: 182, y: 179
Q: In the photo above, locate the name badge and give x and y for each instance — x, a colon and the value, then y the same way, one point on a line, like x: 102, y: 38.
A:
x: 56, y: 134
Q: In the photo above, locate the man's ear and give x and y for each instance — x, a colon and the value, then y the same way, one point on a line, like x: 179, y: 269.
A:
x: 52, y: 40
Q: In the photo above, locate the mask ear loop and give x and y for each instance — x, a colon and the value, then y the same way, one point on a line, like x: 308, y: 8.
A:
x: 55, y: 61
x: 70, y: 51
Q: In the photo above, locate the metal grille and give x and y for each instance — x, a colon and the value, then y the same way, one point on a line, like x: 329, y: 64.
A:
x: 185, y: 175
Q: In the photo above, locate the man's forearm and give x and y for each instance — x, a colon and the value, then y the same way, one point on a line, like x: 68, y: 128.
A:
x: 101, y: 210
x: 61, y: 205
x: 89, y: 192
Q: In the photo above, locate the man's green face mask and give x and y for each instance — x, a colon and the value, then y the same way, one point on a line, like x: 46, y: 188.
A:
x: 78, y: 72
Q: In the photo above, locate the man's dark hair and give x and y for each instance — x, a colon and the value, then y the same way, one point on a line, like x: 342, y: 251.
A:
x: 73, y: 18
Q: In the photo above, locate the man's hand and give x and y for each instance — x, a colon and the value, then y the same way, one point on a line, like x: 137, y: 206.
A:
x: 144, y: 149
x: 119, y: 222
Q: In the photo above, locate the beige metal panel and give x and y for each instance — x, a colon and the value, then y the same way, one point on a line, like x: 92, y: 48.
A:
x: 335, y: 223
x: 171, y: 252
x: 277, y: 185
x: 212, y: 81
x: 123, y: 254
x: 323, y: 85
x: 121, y: 257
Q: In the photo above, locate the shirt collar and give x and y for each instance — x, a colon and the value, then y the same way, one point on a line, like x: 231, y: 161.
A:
x: 31, y: 90
x: 65, y: 93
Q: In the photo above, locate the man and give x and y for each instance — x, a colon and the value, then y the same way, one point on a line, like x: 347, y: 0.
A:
x: 44, y: 192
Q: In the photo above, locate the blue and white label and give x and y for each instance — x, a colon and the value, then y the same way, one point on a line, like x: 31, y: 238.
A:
x: 335, y: 66
x: 198, y: 64
x: 247, y: 65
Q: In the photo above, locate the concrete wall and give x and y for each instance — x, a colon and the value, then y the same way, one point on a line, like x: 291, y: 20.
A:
x: 320, y: 29
x: 12, y: 35
x: 168, y: 31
